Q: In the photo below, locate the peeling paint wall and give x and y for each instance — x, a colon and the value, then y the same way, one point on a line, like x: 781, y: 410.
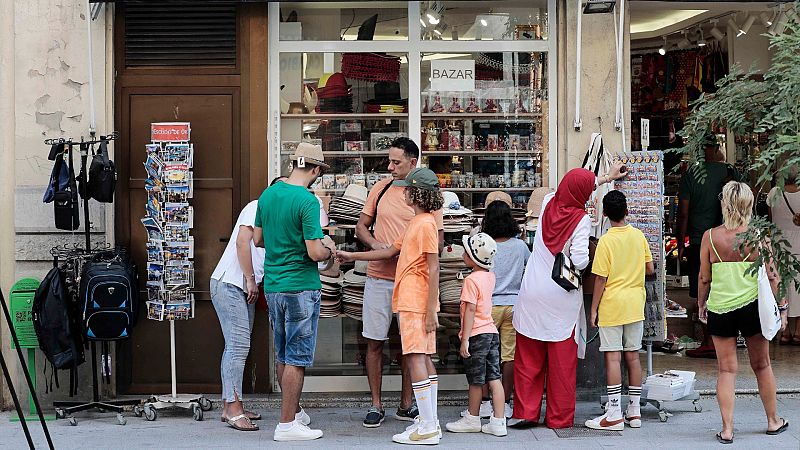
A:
x: 52, y: 101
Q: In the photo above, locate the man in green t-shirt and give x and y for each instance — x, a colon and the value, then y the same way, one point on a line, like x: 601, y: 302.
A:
x: 699, y: 210
x: 289, y: 215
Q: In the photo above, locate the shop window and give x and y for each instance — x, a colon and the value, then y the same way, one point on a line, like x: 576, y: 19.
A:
x: 344, y: 21
x: 475, y: 21
x: 164, y: 34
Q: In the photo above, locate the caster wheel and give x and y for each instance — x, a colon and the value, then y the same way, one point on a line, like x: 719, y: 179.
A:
x: 73, y: 421
x: 698, y: 407
x: 150, y: 413
x: 60, y: 414
x: 205, y: 404
x: 121, y: 419
x: 197, y: 412
x: 662, y: 416
x: 137, y: 411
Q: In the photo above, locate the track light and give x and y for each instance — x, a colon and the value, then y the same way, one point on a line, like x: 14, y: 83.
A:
x: 732, y: 24
x: 701, y: 40
x: 685, y: 42
x: 778, y: 25
x: 422, y: 21
x: 663, y: 50
x: 766, y: 20
x: 748, y: 23
x: 433, y: 17
x: 484, y: 23
x: 716, y: 31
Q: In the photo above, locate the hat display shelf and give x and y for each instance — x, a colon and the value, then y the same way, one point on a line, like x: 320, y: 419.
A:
x: 169, y: 218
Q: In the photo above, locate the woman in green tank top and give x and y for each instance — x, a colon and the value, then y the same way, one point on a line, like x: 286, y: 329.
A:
x: 728, y: 302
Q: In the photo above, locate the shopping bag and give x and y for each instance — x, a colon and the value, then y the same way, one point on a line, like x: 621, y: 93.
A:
x: 598, y: 161
x: 768, y: 312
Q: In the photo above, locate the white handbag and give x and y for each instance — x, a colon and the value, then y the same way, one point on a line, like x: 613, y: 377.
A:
x: 768, y: 312
x: 599, y: 162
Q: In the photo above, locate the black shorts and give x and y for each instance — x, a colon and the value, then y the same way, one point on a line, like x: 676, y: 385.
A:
x: 483, y: 364
x: 744, y: 320
x: 692, y: 253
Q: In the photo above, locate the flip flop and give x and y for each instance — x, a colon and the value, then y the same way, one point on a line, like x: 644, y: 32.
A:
x: 780, y: 429
x: 253, y: 416
x: 723, y: 440
x: 232, y: 423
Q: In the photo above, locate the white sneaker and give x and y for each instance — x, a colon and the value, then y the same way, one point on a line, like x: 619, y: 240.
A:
x: 466, y: 424
x: 416, y: 424
x: 302, y: 417
x: 509, y: 411
x: 412, y: 436
x: 604, y: 423
x: 496, y: 427
x: 633, y: 419
x: 298, y: 432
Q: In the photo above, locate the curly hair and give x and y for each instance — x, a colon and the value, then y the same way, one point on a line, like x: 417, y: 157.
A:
x: 498, y: 221
x: 429, y: 201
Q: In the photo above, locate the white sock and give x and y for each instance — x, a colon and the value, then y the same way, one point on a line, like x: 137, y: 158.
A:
x: 285, y: 426
x: 434, y: 379
x: 635, y: 395
x: 614, y: 410
x: 422, y: 392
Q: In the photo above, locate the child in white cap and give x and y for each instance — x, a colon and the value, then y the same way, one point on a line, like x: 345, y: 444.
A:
x: 480, y: 341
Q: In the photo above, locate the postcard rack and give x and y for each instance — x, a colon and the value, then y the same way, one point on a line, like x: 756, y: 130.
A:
x: 168, y: 220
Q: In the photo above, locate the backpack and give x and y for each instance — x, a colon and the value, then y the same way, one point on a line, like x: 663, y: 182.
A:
x: 108, y: 298
x: 56, y: 326
x: 102, y: 176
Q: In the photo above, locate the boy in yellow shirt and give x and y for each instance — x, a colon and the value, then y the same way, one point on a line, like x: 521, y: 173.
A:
x: 621, y: 261
x: 416, y: 299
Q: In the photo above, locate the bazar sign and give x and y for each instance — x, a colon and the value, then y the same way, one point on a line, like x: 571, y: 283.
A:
x: 169, y: 131
x: 452, y: 75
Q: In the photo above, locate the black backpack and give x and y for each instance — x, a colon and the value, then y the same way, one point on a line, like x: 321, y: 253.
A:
x: 55, y: 324
x: 102, y: 176
x: 108, y: 298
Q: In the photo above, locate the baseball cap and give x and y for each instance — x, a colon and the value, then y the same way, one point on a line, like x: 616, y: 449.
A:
x: 481, y: 249
x: 499, y: 195
x: 311, y: 154
x: 420, y: 178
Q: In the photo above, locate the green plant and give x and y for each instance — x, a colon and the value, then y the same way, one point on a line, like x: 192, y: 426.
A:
x: 745, y: 103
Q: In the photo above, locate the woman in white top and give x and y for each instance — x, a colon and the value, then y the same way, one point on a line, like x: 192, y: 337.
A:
x: 781, y: 207
x: 549, y: 319
x: 234, y: 292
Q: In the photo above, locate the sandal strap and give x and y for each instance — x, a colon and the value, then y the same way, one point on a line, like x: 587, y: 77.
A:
x: 238, y: 418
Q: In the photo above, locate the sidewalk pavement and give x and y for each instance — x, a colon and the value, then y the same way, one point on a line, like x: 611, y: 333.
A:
x: 343, y: 430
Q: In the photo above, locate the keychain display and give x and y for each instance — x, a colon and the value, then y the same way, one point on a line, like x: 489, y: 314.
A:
x: 644, y: 189
x: 169, y: 218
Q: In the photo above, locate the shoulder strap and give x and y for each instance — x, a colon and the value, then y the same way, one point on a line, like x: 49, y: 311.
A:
x: 377, y: 202
x: 103, y: 151
x: 711, y: 239
x: 785, y: 199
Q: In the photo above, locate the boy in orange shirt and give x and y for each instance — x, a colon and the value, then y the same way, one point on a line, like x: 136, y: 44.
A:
x: 416, y: 299
x: 480, y: 340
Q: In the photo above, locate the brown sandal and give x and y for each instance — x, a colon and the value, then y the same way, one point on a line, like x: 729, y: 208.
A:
x: 250, y: 415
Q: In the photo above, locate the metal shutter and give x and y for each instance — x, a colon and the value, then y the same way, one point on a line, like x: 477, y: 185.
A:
x: 180, y: 34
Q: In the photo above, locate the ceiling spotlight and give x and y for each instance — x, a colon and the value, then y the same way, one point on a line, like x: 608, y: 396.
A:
x: 433, y: 17
x: 766, y: 20
x: 663, y: 50
x: 746, y: 27
x: 599, y: 6
x: 701, y: 40
x: 484, y: 23
x: 779, y: 24
x: 732, y: 23
x: 685, y: 42
x: 716, y: 32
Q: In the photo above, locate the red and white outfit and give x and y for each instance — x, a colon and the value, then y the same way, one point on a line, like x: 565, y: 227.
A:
x: 549, y: 320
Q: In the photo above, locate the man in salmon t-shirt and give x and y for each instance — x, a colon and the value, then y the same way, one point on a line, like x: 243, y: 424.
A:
x: 387, y: 212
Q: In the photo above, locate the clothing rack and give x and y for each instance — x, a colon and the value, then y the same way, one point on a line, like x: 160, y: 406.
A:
x: 76, y: 256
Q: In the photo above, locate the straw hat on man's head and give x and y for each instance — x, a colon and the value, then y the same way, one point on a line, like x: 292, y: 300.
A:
x: 309, y: 154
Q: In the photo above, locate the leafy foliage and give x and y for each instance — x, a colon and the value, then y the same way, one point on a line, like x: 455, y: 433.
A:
x: 745, y: 104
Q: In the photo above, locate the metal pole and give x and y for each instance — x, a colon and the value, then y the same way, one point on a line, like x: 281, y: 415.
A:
x: 172, y: 357
x: 578, y: 124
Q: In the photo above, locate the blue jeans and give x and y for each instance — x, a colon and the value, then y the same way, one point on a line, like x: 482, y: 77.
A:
x: 236, y: 319
x: 294, y: 317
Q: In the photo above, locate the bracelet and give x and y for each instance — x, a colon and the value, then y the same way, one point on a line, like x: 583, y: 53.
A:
x: 252, y: 275
x: 783, y: 307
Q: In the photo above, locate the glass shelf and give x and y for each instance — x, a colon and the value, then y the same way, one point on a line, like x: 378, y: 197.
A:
x: 472, y: 116
x: 354, y: 154
x: 345, y: 116
x: 509, y: 153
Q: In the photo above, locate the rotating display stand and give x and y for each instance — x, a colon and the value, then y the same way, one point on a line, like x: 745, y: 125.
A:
x: 170, y: 250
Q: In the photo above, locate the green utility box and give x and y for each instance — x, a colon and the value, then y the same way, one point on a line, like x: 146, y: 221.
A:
x: 21, y: 302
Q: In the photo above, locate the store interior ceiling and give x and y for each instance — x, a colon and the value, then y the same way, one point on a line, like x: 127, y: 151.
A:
x: 679, y: 21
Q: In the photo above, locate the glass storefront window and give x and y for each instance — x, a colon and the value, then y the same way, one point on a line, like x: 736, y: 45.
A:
x: 345, y: 21
x: 475, y: 21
